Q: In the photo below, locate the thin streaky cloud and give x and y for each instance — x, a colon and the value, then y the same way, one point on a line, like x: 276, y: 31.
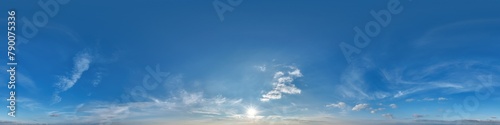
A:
x: 81, y: 64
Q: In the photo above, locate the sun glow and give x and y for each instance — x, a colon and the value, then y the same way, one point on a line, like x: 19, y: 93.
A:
x: 251, y: 112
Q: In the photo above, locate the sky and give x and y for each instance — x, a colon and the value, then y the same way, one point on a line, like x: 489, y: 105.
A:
x: 249, y: 62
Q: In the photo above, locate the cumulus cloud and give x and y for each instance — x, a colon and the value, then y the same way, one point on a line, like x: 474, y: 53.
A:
x: 295, y: 72
x: 282, y: 84
x: 340, y: 105
x: 81, y: 64
x: 393, y: 106
x: 359, y: 107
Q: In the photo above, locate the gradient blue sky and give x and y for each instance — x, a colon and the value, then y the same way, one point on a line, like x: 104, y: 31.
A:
x: 434, y: 62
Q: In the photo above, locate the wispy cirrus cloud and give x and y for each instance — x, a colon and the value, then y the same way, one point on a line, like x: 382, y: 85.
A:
x: 98, y: 79
x: 355, y: 82
x: 27, y: 81
x: 182, y: 103
x: 81, y: 64
x: 28, y: 103
x: 428, y: 99
x: 451, y: 77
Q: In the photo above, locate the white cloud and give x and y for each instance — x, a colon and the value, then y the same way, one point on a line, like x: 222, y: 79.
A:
x: 278, y: 74
x: 359, y: 107
x: 261, y: 68
x: 182, y: 103
x: 295, y: 72
x: 428, y: 99
x: 340, y: 105
x: 273, y: 94
x: 442, y: 99
x: 285, y: 79
x: 408, y: 91
x: 190, y: 98
x: 81, y: 64
x: 388, y: 115
x: 97, y: 80
x: 399, y: 94
x: 282, y: 84
x: 393, y: 106
x: 376, y: 110
x: 27, y: 103
x: 353, y: 84
x: 110, y: 111
x: 458, y: 77
x: 56, y: 98
x: 442, y: 32
x: 381, y: 95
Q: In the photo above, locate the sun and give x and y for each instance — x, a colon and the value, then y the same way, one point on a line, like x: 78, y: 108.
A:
x: 251, y: 112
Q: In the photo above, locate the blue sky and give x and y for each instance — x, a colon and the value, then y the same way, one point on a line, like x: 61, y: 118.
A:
x: 256, y: 62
